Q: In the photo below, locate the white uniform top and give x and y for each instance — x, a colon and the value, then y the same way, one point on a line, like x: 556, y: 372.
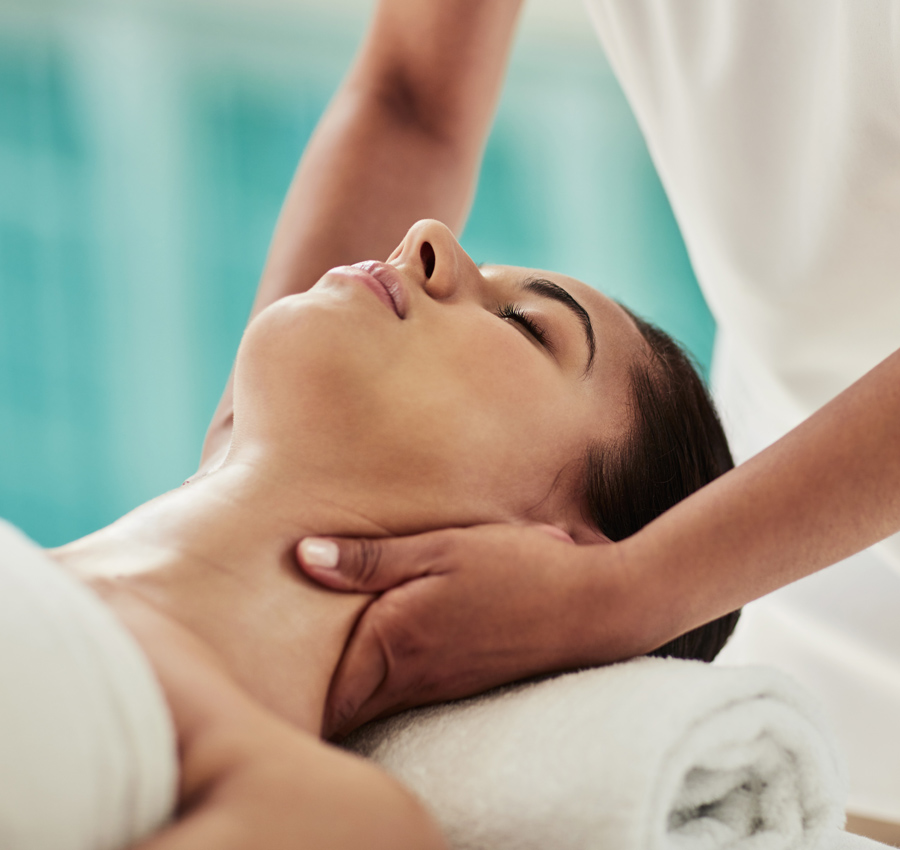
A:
x: 87, y: 749
x: 775, y: 128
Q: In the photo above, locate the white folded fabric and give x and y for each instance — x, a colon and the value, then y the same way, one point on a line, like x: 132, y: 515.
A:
x: 645, y: 755
x: 87, y: 749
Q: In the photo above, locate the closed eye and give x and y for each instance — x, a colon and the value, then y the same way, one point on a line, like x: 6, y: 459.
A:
x: 514, y: 314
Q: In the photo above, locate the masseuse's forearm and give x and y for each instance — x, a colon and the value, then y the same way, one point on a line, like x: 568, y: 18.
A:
x: 401, y: 140
x: 828, y: 489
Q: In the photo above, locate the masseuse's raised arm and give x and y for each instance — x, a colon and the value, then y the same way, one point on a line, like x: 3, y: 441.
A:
x: 475, y: 608
x: 401, y: 140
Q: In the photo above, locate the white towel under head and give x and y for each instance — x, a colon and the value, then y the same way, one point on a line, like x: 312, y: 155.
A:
x: 645, y: 755
x: 87, y: 749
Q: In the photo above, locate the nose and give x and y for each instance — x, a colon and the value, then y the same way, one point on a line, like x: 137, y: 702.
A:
x: 430, y: 255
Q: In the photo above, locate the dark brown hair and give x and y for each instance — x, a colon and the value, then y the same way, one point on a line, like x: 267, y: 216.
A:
x: 675, y: 446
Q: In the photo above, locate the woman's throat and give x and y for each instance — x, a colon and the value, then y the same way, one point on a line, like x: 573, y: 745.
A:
x: 216, y: 570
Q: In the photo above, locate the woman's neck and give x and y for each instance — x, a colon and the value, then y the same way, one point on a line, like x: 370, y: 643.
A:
x: 217, y: 558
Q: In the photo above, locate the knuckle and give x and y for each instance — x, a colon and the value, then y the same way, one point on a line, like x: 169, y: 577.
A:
x: 444, y: 548
x: 368, y: 561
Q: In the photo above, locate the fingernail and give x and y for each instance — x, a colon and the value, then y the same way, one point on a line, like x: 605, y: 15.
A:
x: 319, y: 553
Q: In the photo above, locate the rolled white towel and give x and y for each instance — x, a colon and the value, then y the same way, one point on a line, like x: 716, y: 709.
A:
x: 88, y: 756
x: 645, y: 755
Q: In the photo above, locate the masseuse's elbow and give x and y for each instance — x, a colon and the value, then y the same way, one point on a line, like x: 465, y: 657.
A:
x: 415, y: 110
x: 427, y: 103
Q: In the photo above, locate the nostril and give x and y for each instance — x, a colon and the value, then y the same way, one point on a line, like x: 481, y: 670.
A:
x: 426, y: 254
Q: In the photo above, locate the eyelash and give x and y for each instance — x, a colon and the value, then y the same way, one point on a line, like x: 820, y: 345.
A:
x: 513, y: 313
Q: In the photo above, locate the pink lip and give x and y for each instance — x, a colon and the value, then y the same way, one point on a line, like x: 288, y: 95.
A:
x: 382, y: 280
x: 391, y: 280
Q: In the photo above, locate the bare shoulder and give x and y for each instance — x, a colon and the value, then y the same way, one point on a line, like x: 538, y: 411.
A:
x: 250, y: 779
x: 307, y: 791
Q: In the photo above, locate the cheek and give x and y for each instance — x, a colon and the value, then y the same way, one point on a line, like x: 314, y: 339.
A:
x: 504, y: 373
x: 495, y: 400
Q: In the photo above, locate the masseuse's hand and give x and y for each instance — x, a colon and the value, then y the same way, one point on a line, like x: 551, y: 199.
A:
x: 464, y: 610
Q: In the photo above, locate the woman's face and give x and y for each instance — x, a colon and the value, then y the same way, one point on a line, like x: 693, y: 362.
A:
x: 431, y: 392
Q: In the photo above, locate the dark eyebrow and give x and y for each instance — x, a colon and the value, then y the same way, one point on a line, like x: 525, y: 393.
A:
x: 548, y: 289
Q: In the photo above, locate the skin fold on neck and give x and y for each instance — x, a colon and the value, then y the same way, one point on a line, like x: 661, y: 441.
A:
x: 215, y: 559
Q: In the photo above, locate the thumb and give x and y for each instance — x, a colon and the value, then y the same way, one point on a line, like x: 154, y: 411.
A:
x: 363, y: 564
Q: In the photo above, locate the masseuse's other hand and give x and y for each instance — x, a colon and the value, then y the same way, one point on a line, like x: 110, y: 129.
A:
x: 461, y: 611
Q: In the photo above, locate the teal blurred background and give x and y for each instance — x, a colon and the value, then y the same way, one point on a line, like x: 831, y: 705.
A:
x: 145, y: 148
